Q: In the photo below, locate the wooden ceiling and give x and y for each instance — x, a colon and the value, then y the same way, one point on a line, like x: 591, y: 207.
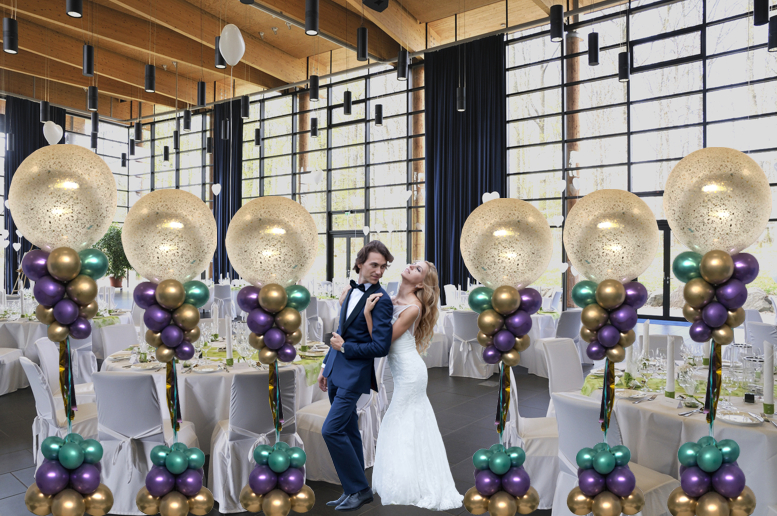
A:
x: 179, y: 36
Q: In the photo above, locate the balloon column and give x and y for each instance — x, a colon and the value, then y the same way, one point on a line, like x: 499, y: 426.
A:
x: 607, y: 487
x: 277, y: 483
x: 174, y: 484
x: 506, y: 244
x: 711, y: 482
x: 68, y: 481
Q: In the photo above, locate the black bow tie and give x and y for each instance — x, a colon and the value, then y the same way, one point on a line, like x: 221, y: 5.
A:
x: 357, y: 286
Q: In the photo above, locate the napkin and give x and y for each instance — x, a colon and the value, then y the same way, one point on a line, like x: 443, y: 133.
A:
x: 768, y: 375
x: 229, y: 338
x: 669, y: 391
x: 630, y: 362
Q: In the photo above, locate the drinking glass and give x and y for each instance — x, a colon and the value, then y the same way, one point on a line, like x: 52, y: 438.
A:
x: 646, y: 371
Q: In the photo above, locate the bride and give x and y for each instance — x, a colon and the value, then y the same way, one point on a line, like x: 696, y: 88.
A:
x: 411, y: 467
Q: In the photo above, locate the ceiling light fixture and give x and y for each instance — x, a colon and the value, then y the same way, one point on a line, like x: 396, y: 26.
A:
x: 150, y: 85
x: 379, y: 115
x: 760, y: 12
x: 10, y: 36
x: 221, y: 63
x: 88, y: 61
x: 361, y: 44
x: 311, y: 17
x: 593, y: 49
x: 75, y: 8
x: 623, y: 67
x: 95, y: 122
x: 556, y: 23
x: 245, y: 107
x: 314, y: 127
x: 92, y: 98
x: 45, y: 111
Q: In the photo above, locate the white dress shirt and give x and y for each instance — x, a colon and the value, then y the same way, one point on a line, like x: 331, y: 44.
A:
x: 356, y: 295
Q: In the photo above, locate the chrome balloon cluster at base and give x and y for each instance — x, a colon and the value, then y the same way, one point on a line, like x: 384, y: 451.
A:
x: 68, y: 481
x: 277, y: 483
x: 502, y: 486
x: 609, y: 316
x: 606, y: 485
x: 174, y: 484
x: 711, y: 482
x: 274, y: 319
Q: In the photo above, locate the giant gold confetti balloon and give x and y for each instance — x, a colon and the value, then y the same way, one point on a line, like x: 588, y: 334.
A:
x: 169, y: 234
x: 717, y: 198
x: 272, y: 240
x: 63, y: 196
x: 506, y: 242
x: 611, y: 234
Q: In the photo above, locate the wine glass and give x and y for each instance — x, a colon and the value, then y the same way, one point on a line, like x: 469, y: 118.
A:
x: 646, y: 371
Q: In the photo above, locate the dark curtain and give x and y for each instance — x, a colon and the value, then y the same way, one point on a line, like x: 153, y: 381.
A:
x: 465, y: 151
x: 22, y: 120
x: 227, y: 171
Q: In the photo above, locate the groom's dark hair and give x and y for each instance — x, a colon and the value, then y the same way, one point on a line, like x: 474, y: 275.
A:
x: 376, y: 246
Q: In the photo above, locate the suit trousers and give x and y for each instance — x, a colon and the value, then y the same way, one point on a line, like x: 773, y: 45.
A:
x: 342, y: 437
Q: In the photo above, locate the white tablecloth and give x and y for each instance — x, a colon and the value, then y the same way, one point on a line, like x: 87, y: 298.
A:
x: 329, y: 312
x: 97, y: 338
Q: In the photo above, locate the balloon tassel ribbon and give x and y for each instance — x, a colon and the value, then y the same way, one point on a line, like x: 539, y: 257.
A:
x: 713, y: 383
x: 66, y: 384
x: 275, y: 400
x: 173, y: 404
x: 503, y: 403
x: 608, y: 395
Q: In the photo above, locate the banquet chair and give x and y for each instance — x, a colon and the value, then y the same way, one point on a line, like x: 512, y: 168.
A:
x: 660, y: 343
x: 552, y: 303
x: 565, y: 371
x: 579, y: 427
x: 30, y: 332
x: 760, y: 335
x: 84, y: 360
x: 12, y: 377
x: 568, y: 327
x: 466, y: 358
x: 310, y: 421
x: 392, y: 288
x: 48, y: 352
x: 741, y: 333
x: 224, y: 294
x: 451, y: 295
x: 315, y: 323
x: 538, y: 436
x: 250, y: 424
x: 51, y: 421
x: 129, y: 425
x: 118, y: 337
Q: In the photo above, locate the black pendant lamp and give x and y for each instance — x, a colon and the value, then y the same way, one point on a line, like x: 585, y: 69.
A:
x: 314, y: 83
x: 45, y: 111
x: 593, y: 49
x: 361, y: 44
x: 92, y: 97
x: 311, y: 17
x: 132, y: 147
x: 75, y: 8
x: 93, y: 143
x: 772, y: 45
x: 623, y: 67
x: 201, y: 101
x: 187, y: 120
x: 556, y: 23
x: 379, y: 115
x: 461, y: 99
x: 166, y: 153
x: 257, y: 137
x: 245, y: 107
x: 347, y: 102
x: 138, y: 132
x: 95, y: 122
x: 150, y: 85
x: 88, y: 61
x: 209, y: 144
x: 225, y: 129
x: 314, y: 127
x: 402, y: 65
x: 9, y: 140
x: 760, y: 12
x: 176, y: 140
x: 123, y: 160
x: 220, y: 61
x: 10, y: 36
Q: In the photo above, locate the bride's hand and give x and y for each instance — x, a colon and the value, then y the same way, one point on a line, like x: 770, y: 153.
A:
x: 371, y: 302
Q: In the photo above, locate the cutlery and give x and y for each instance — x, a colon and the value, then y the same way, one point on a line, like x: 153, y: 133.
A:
x: 645, y: 399
x: 756, y: 417
x: 768, y: 418
x: 691, y: 412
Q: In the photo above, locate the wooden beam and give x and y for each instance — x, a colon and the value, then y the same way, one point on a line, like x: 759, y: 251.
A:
x: 486, y: 19
x: 398, y: 23
x: 542, y: 4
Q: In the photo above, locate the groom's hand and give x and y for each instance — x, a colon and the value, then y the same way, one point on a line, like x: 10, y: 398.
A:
x: 322, y: 381
x: 336, y: 341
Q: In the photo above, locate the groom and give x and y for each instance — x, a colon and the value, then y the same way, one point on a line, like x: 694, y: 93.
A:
x: 348, y: 372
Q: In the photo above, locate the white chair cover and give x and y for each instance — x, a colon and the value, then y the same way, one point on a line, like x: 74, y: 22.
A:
x: 392, y: 288
x: 83, y: 359
x: 568, y: 327
x: 466, y: 357
x: 130, y: 424
x: 118, y: 337
x: 660, y: 342
x: 759, y: 335
x: 250, y: 424
x: 315, y: 323
x: 12, y: 377
x: 451, y: 295
x: 224, y: 294
x: 49, y: 363
x: 137, y: 314
x: 565, y: 371
x: 26, y: 333
x: 553, y: 302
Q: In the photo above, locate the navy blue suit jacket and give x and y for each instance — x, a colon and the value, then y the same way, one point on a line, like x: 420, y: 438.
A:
x: 354, y: 370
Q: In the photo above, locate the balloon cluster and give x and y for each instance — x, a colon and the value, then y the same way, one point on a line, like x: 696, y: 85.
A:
x: 66, y: 288
x: 174, y: 484
x: 504, y: 321
x: 609, y: 316
x: 715, y: 292
x: 68, y: 481
x: 711, y: 482
x: 502, y: 486
x: 172, y: 316
x: 277, y: 483
x: 606, y: 485
x: 274, y: 319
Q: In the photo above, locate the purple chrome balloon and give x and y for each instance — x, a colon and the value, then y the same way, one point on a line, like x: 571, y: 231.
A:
x: 184, y: 351
x: 159, y: 481
x: 682, y: 469
x: 636, y: 294
x: 189, y: 482
x: 80, y: 328
x: 608, y: 336
x: 248, y: 298
x: 519, y: 323
x: 732, y: 294
x: 714, y: 315
x: 624, y: 318
x: 487, y: 482
x: 596, y: 351
x: 274, y: 338
x: 145, y: 295
x: 700, y: 332
x: 99, y: 466
x: 621, y: 481
x: 34, y: 264
x: 531, y: 301
x: 746, y: 268
x: 259, y: 321
x: 262, y: 480
x: 516, y: 482
x: 591, y: 482
x: 65, y: 312
x: 172, y: 335
x: 491, y: 355
x: 695, y: 482
x: 286, y: 353
x: 291, y: 481
x: 729, y: 480
x: 156, y: 318
x: 48, y: 291
x: 85, y: 479
x: 504, y: 340
x: 51, y: 477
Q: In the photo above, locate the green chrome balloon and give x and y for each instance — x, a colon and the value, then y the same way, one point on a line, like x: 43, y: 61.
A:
x: 298, y: 297
x: 709, y: 458
x: 480, y: 299
x: 499, y: 463
x: 517, y: 456
x: 93, y: 451
x: 94, y: 263
x: 481, y: 458
x: 159, y: 454
x: 282, y: 446
x: 686, y: 266
x: 601, y: 447
x: 196, y: 458
x: 50, y: 447
x: 262, y: 454
x: 181, y: 447
x: 687, y: 454
x: 622, y: 455
x: 585, y: 458
x: 197, y: 293
x: 74, y: 438
x: 176, y: 462
x: 707, y: 441
x: 584, y: 293
x: 604, y: 462
x: 728, y: 448
x: 297, y: 457
x: 71, y: 455
x: 279, y: 461
x: 496, y: 448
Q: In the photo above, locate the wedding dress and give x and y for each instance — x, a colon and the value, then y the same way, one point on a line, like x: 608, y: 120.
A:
x: 411, y: 467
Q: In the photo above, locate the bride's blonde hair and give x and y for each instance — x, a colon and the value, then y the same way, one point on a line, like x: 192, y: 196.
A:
x: 428, y: 294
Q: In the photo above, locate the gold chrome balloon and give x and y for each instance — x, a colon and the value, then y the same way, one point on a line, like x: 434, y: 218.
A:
x: 579, y: 503
x: 502, y: 503
x: 37, y: 502
x: 594, y: 317
x: 192, y: 335
x: 276, y: 503
x: 692, y: 314
x: 633, y: 503
x: 44, y: 315
x: 267, y: 356
x: 627, y: 339
x: 610, y: 294
x: 680, y: 504
x: 522, y: 343
x: 201, y: 503
x: 146, y: 503
x: 511, y: 358
x: 587, y: 335
x: 256, y: 341
x: 272, y: 298
x: 63, y: 264
x: 717, y: 267
x: 616, y: 354
x: 57, y: 332
x: 744, y: 504
x: 153, y: 338
x: 250, y: 501
x: 170, y: 294
x: 475, y: 502
x: 295, y: 337
x: 187, y: 317
x: 698, y: 293
x: 529, y: 502
x: 82, y: 290
x: 606, y: 504
x: 712, y: 504
x: 483, y: 339
x: 490, y: 322
x: 288, y: 320
x: 100, y: 502
x: 164, y: 354
x: 506, y: 299
x: 723, y: 335
x: 68, y: 502
x: 174, y: 504
x: 304, y: 500
x: 88, y: 311
x: 735, y: 318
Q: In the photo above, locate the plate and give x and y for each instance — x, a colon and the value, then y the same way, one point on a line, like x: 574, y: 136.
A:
x: 121, y: 355
x: 312, y: 354
x: 629, y: 393
x: 738, y: 418
x: 206, y: 368
x: 145, y: 366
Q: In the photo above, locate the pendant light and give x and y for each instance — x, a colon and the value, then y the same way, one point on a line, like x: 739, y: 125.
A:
x: 314, y: 83
x: 225, y: 129
x: 93, y: 143
x: 311, y: 17
x: 220, y: 61
x: 9, y: 140
x: 593, y: 49
x: 461, y: 99
x: 201, y: 101
x: 176, y: 140
x: 88, y: 61
x: 132, y: 147
x: 10, y: 36
x: 347, y: 102
x: 556, y: 23
x: 245, y: 107
x: 187, y: 120
x: 623, y: 67
x: 361, y: 44
x: 150, y: 85
x: 95, y: 122
x: 314, y: 127
x: 138, y: 131
x: 123, y: 160
x: 772, y: 45
x: 45, y: 111
x: 379, y: 115
x: 760, y: 12
x: 402, y: 64
x: 257, y: 137
x: 92, y: 97
x: 209, y: 144
x: 166, y: 154
x: 75, y: 8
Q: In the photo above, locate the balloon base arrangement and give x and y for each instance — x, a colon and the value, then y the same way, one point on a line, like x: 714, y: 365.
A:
x: 606, y: 485
x: 502, y: 487
x: 711, y: 482
x: 68, y: 481
x: 277, y: 483
x: 174, y: 484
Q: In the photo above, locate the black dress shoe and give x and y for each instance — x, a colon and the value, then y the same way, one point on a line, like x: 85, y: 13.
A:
x: 356, y: 500
x: 335, y: 503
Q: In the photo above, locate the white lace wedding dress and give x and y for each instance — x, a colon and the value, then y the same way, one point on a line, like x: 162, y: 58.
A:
x: 411, y: 467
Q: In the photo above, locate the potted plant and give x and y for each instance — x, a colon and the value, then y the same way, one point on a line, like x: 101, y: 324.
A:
x: 111, y: 245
